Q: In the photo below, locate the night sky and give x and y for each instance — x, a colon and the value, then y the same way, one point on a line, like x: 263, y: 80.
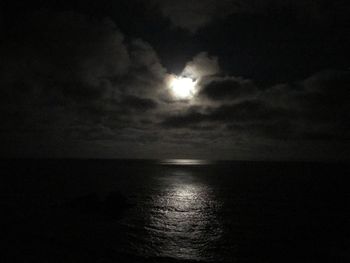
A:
x: 93, y: 79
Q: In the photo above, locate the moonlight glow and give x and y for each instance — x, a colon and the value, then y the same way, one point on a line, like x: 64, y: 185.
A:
x: 183, y: 88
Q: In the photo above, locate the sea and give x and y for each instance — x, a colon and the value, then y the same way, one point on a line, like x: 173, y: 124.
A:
x: 174, y: 211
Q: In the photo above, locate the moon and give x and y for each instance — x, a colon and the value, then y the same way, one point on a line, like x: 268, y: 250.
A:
x: 183, y: 88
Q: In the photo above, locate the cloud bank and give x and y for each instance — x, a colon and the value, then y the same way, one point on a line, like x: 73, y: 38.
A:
x: 76, y: 86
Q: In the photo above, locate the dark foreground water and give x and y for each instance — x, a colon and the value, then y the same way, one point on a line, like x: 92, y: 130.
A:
x: 174, y: 211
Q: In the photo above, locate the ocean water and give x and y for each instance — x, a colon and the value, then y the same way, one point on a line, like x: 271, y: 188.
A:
x: 175, y: 211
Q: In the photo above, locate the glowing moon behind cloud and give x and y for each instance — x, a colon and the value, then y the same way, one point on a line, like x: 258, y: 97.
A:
x: 182, y: 87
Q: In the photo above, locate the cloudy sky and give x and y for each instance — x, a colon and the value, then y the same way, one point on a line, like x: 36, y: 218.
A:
x: 95, y: 79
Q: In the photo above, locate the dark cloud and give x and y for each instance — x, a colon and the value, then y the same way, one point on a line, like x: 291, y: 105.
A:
x: 71, y: 75
x: 66, y: 52
x: 241, y: 115
x: 187, y: 120
x: 139, y: 104
x: 229, y: 89
x: 192, y: 15
x: 277, y: 46
x: 308, y: 110
x: 90, y: 78
x: 248, y: 111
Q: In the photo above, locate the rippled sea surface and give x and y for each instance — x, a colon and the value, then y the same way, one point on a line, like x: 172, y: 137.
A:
x: 176, y: 215
x: 192, y: 210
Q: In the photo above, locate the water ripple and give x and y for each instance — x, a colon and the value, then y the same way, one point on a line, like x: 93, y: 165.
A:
x: 178, y: 219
